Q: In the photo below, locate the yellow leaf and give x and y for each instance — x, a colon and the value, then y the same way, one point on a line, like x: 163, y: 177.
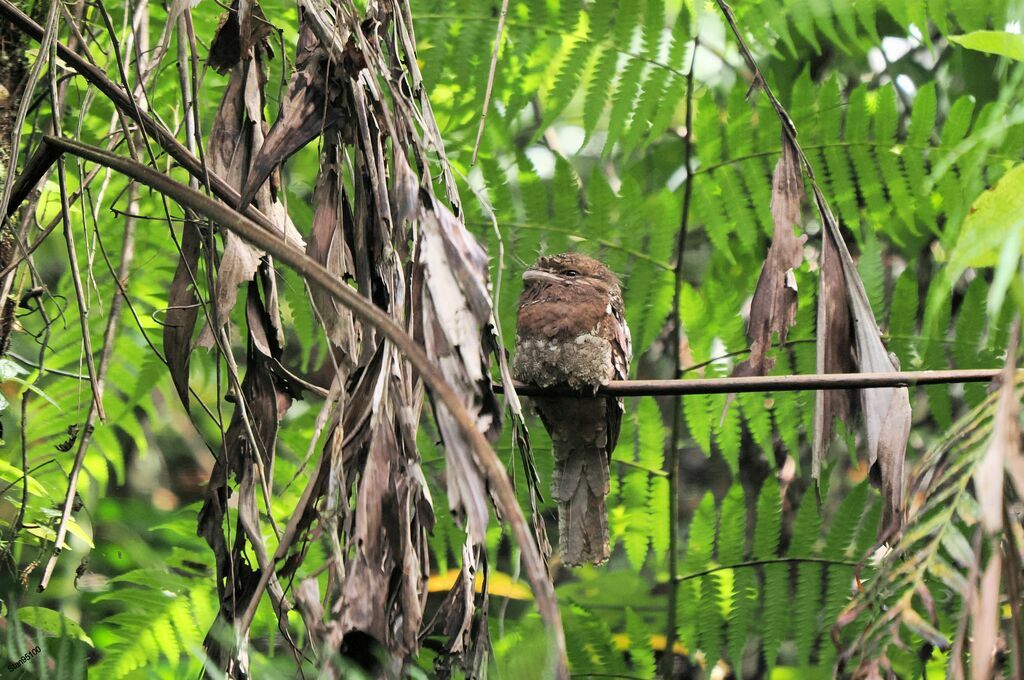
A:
x: 622, y: 643
x: 499, y: 584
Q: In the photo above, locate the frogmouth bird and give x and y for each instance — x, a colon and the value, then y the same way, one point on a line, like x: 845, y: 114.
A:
x: 571, y: 332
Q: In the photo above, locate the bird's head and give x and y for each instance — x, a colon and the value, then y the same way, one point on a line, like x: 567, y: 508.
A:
x: 568, y: 271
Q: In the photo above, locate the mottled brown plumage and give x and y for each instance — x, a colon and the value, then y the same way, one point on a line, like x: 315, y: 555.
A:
x: 571, y: 330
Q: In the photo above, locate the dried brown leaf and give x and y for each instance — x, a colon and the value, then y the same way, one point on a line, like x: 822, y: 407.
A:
x: 984, y: 608
x: 773, y: 308
x: 235, y: 39
x: 233, y: 138
x: 886, y: 410
x: 455, y: 308
x: 365, y: 591
x: 1004, y: 447
x: 462, y: 619
x: 329, y: 246
x: 182, y: 311
x: 307, y: 601
x: 834, y: 352
x: 311, y: 105
x: 250, y: 441
x: 389, y: 564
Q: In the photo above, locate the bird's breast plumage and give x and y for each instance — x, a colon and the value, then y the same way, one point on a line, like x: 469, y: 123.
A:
x: 565, y: 335
x: 582, y: 362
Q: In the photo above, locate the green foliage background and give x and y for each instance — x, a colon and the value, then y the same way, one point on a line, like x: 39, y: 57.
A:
x: 582, y: 150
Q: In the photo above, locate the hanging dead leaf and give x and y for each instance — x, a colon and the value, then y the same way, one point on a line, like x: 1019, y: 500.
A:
x: 312, y: 104
x: 834, y: 352
x: 773, y: 308
x: 240, y: 29
x: 182, y: 311
x: 462, y: 618
x: 234, y: 138
x: 455, y: 306
x: 1004, y: 447
x: 329, y: 246
x: 886, y: 410
x: 984, y: 609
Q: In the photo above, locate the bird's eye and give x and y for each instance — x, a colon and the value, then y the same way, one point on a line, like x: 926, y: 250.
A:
x: 571, y: 272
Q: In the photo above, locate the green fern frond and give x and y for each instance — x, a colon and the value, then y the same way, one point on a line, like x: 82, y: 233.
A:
x: 589, y: 643
x: 628, y: 18
x: 776, y: 612
x: 732, y: 527
x: 842, y: 528
x: 640, y: 653
x: 567, y: 78
x: 902, y: 325
x: 967, y: 345
x: 806, y: 527
x: 768, y: 522
x: 710, y: 621
x: 622, y: 100
x: 600, y: 90
x: 933, y: 355
x: 872, y: 269
x: 807, y: 610
x: 697, y: 413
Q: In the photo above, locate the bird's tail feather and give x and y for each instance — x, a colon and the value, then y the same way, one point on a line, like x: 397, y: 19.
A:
x: 580, y: 486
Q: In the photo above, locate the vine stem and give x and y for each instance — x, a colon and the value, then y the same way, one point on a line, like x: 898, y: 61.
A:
x: 445, y: 396
x: 668, y: 659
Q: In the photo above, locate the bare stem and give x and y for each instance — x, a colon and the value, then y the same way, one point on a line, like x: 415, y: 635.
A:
x: 668, y: 660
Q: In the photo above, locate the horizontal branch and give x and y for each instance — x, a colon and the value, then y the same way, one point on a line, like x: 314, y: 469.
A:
x: 770, y: 383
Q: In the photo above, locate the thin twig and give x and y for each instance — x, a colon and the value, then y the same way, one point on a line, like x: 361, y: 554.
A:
x: 109, y: 340
x: 677, y: 406
x: 770, y: 383
x: 43, y: 346
x: 490, y: 78
x: 95, y: 381
x: 638, y: 466
x: 770, y: 560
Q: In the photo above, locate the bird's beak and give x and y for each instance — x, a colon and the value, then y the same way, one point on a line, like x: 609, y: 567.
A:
x: 532, y: 274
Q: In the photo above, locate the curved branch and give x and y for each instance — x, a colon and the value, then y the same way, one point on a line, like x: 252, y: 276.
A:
x: 309, y: 269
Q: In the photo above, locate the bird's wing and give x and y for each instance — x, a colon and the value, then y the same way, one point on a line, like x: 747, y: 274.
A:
x: 622, y: 343
x: 622, y: 353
